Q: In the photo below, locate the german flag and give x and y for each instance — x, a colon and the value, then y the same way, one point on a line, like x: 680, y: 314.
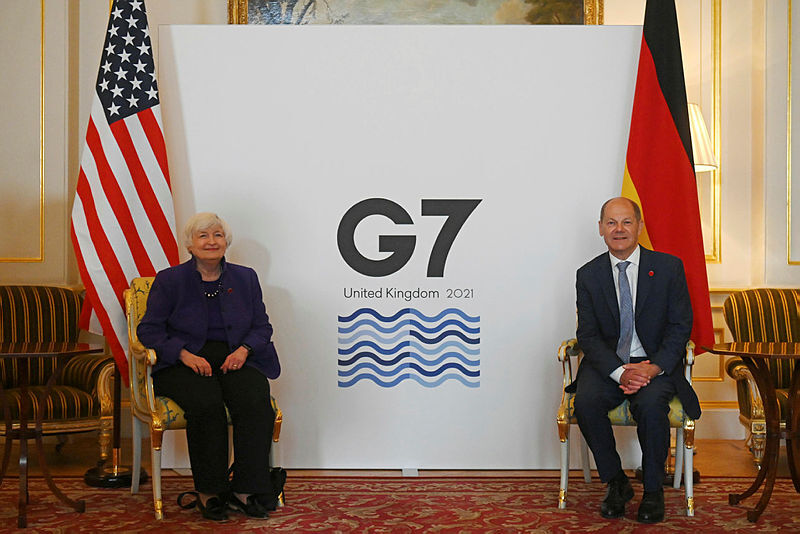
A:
x: 659, y: 166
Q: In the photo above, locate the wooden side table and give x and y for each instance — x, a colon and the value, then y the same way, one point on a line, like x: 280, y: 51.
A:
x: 756, y: 355
x: 23, y: 351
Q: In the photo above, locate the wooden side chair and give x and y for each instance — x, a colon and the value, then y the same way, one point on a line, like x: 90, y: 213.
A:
x: 767, y: 315
x: 621, y: 416
x: 151, y: 411
x: 81, y: 398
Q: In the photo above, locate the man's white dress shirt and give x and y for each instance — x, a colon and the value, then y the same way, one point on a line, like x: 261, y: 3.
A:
x: 637, y: 351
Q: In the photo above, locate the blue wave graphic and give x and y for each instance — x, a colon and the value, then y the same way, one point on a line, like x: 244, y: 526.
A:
x: 413, y: 333
x: 437, y: 339
x: 427, y: 349
x: 400, y: 357
x: 405, y: 367
x: 374, y: 335
x: 405, y: 344
x: 392, y: 383
x: 404, y: 311
x: 406, y: 323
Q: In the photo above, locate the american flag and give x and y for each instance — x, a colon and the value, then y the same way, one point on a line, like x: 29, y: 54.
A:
x: 123, y: 221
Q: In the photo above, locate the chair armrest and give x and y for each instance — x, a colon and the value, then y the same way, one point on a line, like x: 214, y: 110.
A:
x: 84, y: 371
x: 141, y: 362
x: 143, y: 354
x: 747, y: 391
x: 568, y: 349
x: 687, y: 369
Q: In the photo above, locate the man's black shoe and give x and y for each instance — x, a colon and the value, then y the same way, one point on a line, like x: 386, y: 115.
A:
x: 651, y: 510
x: 619, y: 492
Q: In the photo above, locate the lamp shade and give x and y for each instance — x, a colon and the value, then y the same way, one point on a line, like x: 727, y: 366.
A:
x: 704, y: 158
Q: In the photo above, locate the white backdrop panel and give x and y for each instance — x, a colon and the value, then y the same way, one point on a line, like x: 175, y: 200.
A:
x: 282, y: 129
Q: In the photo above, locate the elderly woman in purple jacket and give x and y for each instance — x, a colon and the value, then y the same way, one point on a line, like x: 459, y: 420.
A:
x: 207, y: 322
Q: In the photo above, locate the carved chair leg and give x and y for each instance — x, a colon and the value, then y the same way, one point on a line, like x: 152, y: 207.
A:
x: 688, y: 464
x: 680, y: 454
x: 155, y: 442
x: 562, y: 494
x: 136, y: 441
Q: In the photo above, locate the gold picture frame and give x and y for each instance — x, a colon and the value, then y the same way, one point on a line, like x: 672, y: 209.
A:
x: 299, y: 10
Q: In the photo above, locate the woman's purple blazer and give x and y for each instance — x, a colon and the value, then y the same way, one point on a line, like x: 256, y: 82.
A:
x: 177, y: 316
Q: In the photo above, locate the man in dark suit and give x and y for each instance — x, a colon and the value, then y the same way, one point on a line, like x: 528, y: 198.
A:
x: 634, y: 319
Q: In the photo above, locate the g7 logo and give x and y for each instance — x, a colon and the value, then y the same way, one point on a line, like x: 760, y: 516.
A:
x: 401, y: 247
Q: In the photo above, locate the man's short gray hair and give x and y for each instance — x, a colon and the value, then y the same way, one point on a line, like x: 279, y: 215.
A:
x: 203, y: 221
x: 637, y: 212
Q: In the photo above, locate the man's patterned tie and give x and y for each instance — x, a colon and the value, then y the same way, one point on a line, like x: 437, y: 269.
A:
x: 625, y: 314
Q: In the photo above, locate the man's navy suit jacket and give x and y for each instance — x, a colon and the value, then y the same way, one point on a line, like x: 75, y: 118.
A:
x: 663, y: 318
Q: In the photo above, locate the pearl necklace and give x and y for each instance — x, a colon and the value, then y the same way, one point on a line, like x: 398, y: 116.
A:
x: 212, y: 294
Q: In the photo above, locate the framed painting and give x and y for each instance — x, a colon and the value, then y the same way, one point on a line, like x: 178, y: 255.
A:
x: 415, y: 12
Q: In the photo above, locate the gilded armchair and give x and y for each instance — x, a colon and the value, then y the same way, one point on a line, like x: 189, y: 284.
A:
x: 770, y: 315
x: 621, y: 416
x: 150, y: 411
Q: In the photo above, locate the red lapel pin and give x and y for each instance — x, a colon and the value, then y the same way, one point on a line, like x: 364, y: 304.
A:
x: 651, y: 273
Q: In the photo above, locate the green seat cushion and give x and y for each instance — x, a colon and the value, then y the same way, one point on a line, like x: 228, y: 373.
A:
x: 171, y: 414
x: 621, y: 415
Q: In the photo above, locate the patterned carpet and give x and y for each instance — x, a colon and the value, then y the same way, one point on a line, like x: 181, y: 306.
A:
x: 396, y: 505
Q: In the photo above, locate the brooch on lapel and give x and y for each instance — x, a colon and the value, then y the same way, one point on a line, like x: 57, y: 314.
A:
x: 651, y: 273
x: 230, y: 289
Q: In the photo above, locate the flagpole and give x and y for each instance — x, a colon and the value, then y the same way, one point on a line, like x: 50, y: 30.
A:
x: 122, y: 216
x: 659, y: 169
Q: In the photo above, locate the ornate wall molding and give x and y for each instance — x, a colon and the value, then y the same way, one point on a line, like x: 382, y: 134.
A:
x: 40, y: 257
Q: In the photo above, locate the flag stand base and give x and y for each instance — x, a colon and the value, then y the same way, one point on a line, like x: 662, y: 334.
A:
x: 110, y: 476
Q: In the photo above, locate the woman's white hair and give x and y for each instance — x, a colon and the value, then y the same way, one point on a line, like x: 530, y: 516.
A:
x: 203, y: 221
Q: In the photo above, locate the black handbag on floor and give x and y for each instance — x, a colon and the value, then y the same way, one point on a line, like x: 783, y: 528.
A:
x: 277, y: 477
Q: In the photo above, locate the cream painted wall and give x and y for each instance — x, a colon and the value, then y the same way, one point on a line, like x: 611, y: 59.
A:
x: 74, y: 33
x: 778, y: 87
x: 751, y: 98
x: 23, y: 147
x: 32, y: 183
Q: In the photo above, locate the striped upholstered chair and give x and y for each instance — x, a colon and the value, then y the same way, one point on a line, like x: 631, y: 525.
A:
x: 151, y: 412
x: 81, y: 399
x: 761, y: 315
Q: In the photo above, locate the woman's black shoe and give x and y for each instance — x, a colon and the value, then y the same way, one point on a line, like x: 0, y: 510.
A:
x: 251, y: 508
x: 213, y: 509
